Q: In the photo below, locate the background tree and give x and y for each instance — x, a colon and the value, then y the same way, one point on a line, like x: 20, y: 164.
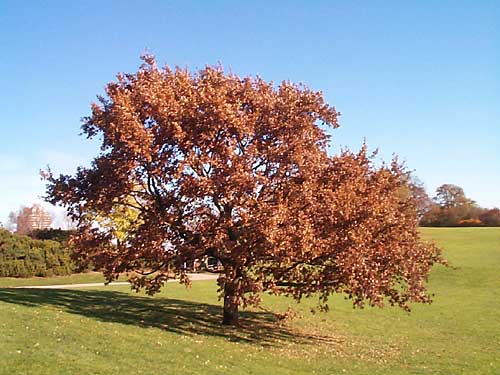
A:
x: 11, y: 221
x: 237, y: 168
x: 449, y: 195
x: 27, y: 219
x: 491, y: 217
x: 415, y: 188
x: 60, y: 235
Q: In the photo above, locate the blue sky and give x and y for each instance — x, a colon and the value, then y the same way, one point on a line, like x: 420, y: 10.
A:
x: 420, y: 79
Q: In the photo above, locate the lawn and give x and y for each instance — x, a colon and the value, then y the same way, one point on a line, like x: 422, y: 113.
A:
x: 110, y: 330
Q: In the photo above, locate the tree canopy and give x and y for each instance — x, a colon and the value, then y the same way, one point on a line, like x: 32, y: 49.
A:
x: 449, y: 195
x: 208, y: 163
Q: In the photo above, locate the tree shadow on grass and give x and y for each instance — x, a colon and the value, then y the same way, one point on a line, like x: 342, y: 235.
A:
x: 173, y: 315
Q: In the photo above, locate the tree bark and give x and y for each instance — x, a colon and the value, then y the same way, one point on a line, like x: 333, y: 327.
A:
x: 230, y: 315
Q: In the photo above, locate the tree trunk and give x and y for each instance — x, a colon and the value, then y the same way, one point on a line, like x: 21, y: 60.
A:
x: 230, y: 316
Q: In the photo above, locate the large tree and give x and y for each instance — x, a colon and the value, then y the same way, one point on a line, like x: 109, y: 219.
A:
x: 209, y: 163
x: 449, y: 195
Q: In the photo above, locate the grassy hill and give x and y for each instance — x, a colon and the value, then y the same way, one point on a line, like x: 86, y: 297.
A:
x: 110, y: 330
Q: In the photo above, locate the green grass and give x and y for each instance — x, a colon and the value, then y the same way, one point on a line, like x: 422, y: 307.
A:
x: 109, y: 330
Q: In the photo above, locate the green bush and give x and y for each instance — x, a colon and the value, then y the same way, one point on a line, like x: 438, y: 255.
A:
x: 22, y: 256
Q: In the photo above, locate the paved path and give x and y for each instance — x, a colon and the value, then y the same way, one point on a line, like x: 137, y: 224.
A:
x: 192, y: 276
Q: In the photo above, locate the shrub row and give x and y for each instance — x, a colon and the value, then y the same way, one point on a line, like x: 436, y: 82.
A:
x: 22, y: 256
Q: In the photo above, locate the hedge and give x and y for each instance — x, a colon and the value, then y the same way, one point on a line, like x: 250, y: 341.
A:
x: 22, y: 256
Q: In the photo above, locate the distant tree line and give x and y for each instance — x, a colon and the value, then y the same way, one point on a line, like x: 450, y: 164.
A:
x: 450, y: 207
x: 44, y: 252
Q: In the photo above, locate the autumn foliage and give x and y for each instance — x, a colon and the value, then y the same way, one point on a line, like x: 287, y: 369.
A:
x: 209, y: 163
x: 451, y: 208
